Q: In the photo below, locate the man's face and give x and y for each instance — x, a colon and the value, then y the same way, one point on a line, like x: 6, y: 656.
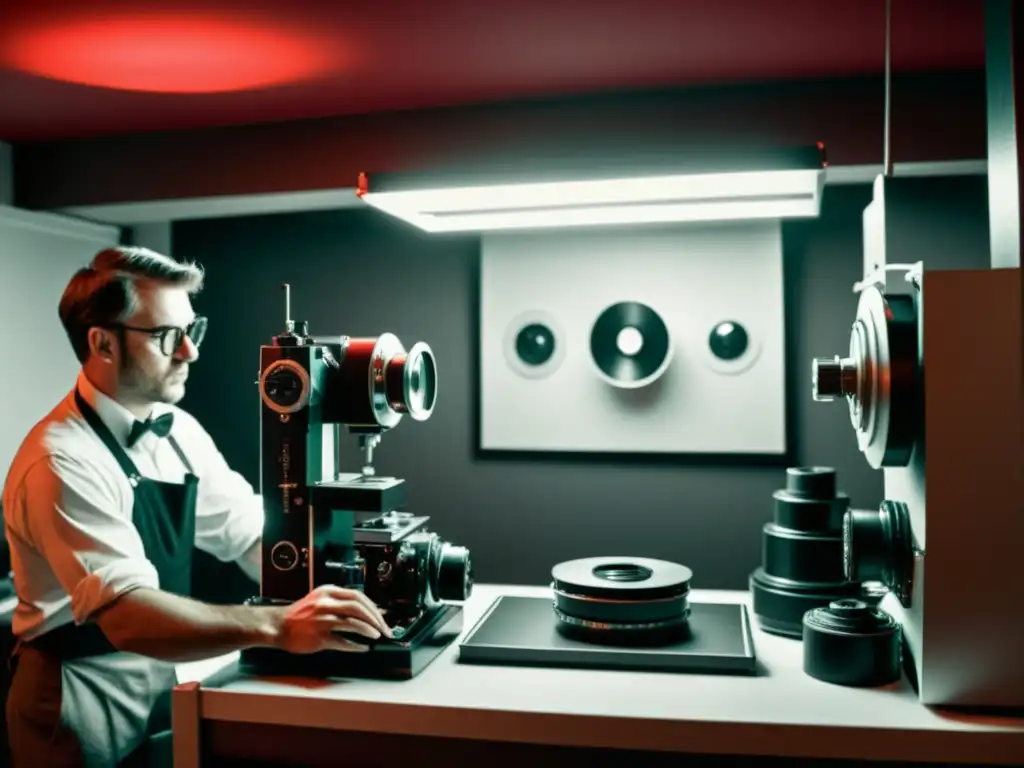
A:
x: 147, y: 374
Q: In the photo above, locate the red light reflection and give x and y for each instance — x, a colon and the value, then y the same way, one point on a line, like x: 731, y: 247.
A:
x: 170, y: 54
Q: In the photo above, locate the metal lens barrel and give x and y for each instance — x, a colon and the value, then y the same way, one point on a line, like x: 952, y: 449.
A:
x: 410, y: 381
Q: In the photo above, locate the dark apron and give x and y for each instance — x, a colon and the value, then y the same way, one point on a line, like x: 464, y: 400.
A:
x: 74, y: 699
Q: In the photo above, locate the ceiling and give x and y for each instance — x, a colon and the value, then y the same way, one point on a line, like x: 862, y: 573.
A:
x: 74, y: 69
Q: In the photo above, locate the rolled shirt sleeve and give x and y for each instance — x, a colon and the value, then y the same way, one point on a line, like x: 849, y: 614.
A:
x: 76, y: 520
x: 229, y: 513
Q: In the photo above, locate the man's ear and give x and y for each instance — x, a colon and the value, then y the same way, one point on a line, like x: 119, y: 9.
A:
x: 101, y: 343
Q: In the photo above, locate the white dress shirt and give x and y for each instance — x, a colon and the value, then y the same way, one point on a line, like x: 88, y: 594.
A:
x: 67, y: 506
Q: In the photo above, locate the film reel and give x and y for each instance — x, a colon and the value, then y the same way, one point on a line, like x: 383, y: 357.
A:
x: 622, y: 600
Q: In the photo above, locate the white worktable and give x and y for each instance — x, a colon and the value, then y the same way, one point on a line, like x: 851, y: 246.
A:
x: 780, y: 712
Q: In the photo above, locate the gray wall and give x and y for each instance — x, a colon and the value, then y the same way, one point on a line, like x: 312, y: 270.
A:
x: 357, y: 272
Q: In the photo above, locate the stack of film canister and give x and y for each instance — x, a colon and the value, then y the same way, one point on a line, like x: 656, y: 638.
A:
x: 802, y: 553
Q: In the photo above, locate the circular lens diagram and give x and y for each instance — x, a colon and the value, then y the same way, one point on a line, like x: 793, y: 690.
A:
x: 534, y: 344
x: 730, y: 347
x: 630, y: 344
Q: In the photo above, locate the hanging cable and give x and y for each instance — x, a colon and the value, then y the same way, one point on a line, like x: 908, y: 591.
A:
x: 886, y: 155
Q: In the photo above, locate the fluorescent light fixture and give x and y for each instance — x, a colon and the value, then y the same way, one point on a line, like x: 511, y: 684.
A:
x: 779, y: 185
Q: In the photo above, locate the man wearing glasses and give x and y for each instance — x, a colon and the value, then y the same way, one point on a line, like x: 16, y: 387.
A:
x: 103, y: 504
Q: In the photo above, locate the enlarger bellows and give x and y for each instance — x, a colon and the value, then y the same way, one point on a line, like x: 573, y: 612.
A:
x: 375, y: 381
x: 621, y: 599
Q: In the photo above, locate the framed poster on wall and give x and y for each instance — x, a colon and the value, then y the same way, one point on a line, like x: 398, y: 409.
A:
x: 653, y: 340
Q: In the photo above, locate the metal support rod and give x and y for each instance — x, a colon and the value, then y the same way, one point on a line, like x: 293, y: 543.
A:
x: 289, y: 326
x: 887, y: 155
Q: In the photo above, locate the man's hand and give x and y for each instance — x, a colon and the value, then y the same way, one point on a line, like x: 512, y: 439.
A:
x: 174, y: 628
x: 312, y: 624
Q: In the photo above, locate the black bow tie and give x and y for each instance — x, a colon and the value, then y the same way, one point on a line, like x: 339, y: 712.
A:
x: 160, y: 426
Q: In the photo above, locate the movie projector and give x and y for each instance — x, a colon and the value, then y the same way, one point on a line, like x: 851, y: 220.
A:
x: 326, y: 527
x: 935, y: 400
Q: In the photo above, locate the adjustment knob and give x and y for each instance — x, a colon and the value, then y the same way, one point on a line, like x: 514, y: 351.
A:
x: 285, y: 386
x: 878, y: 546
x: 384, y: 572
x: 284, y: 556
x: 833, y: 377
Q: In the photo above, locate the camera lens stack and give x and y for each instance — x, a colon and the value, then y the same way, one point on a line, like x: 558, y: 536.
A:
x: 802, y: 554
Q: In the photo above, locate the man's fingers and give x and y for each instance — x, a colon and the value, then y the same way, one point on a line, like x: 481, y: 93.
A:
x: 351, y: 625
x: 345, y: 609
x: 360, y: 604
x: 370, y: 606
x: 382, y: 622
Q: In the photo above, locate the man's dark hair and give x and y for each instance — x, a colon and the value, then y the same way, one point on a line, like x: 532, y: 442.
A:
x: 105, y: 294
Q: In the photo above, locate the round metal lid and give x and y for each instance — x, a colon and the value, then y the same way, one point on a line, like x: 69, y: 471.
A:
x: 621, y: 578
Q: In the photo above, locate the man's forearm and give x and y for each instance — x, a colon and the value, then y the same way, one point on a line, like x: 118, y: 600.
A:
x: 173, y: 628
x: 251, y: 562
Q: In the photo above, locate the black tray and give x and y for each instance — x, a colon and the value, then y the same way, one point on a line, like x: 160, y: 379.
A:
x: 523, y: 631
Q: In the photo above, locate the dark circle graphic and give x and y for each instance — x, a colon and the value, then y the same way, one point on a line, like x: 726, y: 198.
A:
x: 728, y: 340
x: 630, y: 344
x: 535, y: 344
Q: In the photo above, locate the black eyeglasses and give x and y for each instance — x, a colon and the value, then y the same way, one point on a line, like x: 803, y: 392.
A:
x: 172, y: 336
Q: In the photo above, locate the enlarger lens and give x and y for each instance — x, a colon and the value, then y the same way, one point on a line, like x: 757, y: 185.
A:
x: 535, y: 344
x: 410, y: 381
x: 454, y: 574
x: 420, y: 382
x: 878, y: 546
x: 728, y: 340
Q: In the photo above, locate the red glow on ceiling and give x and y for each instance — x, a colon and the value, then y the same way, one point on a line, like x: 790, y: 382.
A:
x: 171, y: 54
